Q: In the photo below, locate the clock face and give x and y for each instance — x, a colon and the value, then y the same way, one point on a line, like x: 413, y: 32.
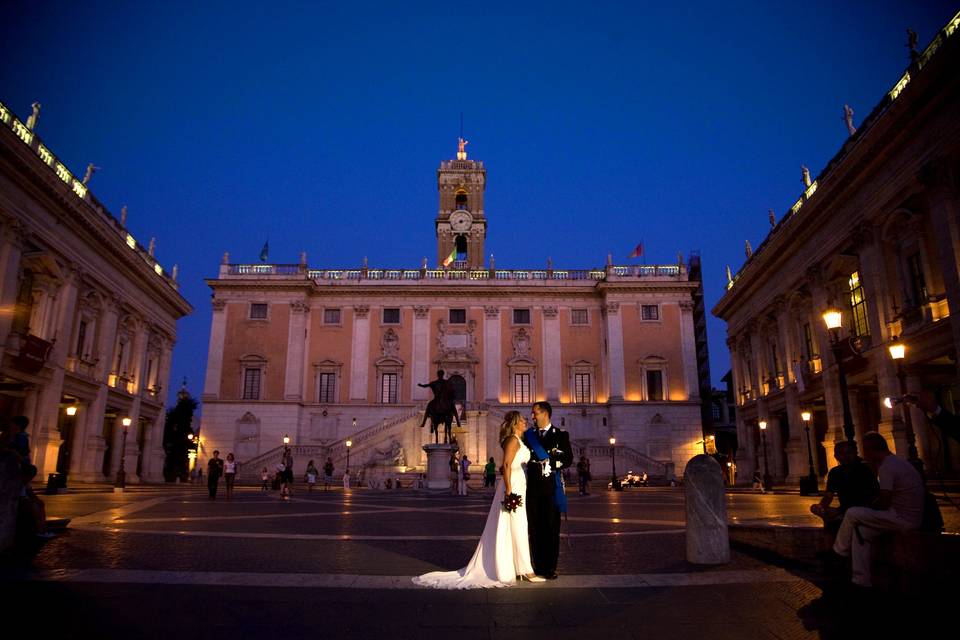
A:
x: 460, y: 221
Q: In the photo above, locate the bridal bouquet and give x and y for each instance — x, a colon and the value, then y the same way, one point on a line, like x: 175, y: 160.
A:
x: 511, y: 502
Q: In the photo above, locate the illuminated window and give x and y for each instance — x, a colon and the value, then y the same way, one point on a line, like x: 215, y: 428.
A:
x: 918, y: 285
x: 858, y: 306
x: 328, y: 382
x: 391, y: 316
x: 251, y: 384
x: 331, y: 316
x: 521, y: 316
x: 388, y: 388
x: 654, y: 384
x: 649, y: 312
x: 521, y: 388
x: 581, y: 391
x: 579, y: 316
x: 458, y: 316
x: 258, y: 311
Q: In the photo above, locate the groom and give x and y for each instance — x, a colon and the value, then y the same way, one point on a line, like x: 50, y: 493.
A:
x: 550, y: 452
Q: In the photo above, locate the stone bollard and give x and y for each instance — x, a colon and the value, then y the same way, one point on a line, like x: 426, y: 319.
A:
x: 438, y: 465
x: 707, y: 538
x: 9, y: 497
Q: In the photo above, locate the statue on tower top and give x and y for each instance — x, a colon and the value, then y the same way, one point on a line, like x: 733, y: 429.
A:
x: 462, y: 148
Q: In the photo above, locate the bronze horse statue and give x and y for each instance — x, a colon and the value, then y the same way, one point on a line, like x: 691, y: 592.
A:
x: 442, y: 409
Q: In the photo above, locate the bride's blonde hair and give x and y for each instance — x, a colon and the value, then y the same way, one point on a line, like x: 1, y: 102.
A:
x: 507, y: 426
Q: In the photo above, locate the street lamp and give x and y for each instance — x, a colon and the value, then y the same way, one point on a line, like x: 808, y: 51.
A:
x: 614, y: 483
x: 808, y: 485
x: 833, y: 318
x: 349, y: 444
x: 767, y: 480
x: 72, y: 410
x: 121, y: 481
x: 898, y: 352
x: 286, y: 440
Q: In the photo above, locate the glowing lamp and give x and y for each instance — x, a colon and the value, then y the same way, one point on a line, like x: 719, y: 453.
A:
x: 833, y: 318
x: 349, y: 443
x: 805, y: 416
x: 126, y: 422
x: 763, y: 425
x: 897, y: 349
x: 613, y: 441
x: 286, y: 439
x: 888, y: 403
x: 72, y: 410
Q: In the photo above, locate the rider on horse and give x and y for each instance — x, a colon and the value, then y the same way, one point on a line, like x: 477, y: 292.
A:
x: 442, y: 408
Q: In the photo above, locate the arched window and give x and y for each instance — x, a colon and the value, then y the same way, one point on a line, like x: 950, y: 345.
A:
x: 461, y: 247
x: 461, y: 200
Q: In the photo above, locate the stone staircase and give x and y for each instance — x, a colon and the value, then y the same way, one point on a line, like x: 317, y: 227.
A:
x: 364, y: 442
x: 628, y: 459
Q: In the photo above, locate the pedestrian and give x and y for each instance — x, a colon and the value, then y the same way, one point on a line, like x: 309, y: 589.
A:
x: 286, y: 477
x: 490, y: 473
x: 230, y: 473
x: 312, y: 474
x: 21, y: 440
x: 265, y: 479
x: 583, y: 475
x: 454, y: 473
x: 644, y: 479
x: 898, y: 508
x: 757, y: 482
x: 214, y: 471
x: 464, y: 475
x: 346, y: 479
x: 327, y: 473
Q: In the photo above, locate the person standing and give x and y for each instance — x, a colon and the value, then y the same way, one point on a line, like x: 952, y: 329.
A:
x: 758, y: 482
x: 286, y: 476
x: 464, y: 475
x: 312, y: 474
x: 550, y: 453
x: 230, y: 473
x: 583, y: 475
x: 265, y: 478
x: 327, y: 473
x: 489, y: 473
x: 21, y: 440
x: 454, y: 472
x: 214, y: 471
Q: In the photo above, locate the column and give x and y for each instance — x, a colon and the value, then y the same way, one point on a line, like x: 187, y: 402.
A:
x: 296, y: 345
x: 941, y: 202
x: 421, y: 353
x: 153, y: 440
x: 552, y: 367
x: 218, y: 330
x: 93, y: 444
x: 688, y: 341
x: 360, y: 353
x: 795, y: 445
x: 492, y: 357
x: 12, y: 244
x: 615, y: 350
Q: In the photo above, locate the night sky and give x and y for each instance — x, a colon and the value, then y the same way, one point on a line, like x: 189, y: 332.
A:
x: 320, y: 125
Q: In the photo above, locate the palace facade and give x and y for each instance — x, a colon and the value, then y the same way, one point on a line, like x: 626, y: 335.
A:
x: 324, y: 356
x: 87, y: 320
x: 877, y: 236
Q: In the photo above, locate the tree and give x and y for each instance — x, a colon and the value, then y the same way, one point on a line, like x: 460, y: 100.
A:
x: 177, y: 428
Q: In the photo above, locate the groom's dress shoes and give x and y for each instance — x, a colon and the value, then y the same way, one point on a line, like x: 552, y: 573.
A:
x: 552, y: 576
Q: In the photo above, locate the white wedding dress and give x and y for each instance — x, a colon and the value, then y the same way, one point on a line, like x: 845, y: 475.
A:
x: 504, y: 549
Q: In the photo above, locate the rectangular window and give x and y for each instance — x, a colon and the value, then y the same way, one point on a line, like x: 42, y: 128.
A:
x: 388, y: 388
x: 858, y: 306
x: 579, y: 316
x: 391, y: 316
x: 82, y: 339
x: 649, y: 312
x: 331, y: 316
x: 521, y: 316
x: 251, y: 384
x: 258, y: 311
x: 458, y: 316
x: 521, y: 387
x: 654, y: 384
x: 581, y: 391
x: 715, y: 412
x: 328, y: 383
x: 918, y: 285
x: 809, y: 344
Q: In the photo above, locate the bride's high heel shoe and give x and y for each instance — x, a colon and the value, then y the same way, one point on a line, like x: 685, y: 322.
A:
x: 532, y: 578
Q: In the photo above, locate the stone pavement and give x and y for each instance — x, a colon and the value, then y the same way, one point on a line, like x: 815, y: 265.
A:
x: 167, y: 561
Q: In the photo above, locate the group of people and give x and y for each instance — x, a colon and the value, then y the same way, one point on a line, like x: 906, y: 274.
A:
x: 521, y: 537
x: 459, y: 473
x: 217, y: 468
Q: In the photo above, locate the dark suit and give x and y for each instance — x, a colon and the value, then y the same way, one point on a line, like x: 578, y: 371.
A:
x: 543, y: 516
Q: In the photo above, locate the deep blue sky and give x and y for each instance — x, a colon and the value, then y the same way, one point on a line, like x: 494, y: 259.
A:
x: 320, y: 125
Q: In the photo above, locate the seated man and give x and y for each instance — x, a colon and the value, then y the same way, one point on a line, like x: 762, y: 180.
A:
x: 899, y: 507
x: 852, y: 482
x: 31, y: 508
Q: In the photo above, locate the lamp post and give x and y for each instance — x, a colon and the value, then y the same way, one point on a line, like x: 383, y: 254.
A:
x: 286, y: 440
x: 898, y: 352
x: 614, y: 482
x: 767, y: 480
x: 809, y: 484
x: 121, y: 481
x: 833, y: 318
x: 348, y: 443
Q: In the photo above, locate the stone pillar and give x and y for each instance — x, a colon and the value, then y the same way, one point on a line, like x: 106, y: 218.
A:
x: 921, y: 426
x: 438, y: 465
x: 942, y: 204
x: 11, y: 245
x: 296, y: 347
x: 707, y: 537
x: 89, y: 445
x: 421, y: 353
x: 552, y: 367
x: 615, y: 350
x: 360, y: 353
x: 492, y: 357
x: 218, y: 331
x: 691, y: 373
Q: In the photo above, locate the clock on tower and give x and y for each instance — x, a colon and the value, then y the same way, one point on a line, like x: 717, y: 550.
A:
x: 461, y: 225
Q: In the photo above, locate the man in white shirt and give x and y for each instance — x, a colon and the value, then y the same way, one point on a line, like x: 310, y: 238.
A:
x: 898, y: 508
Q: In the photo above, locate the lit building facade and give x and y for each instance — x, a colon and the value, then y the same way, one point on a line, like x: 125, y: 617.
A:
x: 87, y: 320
x: 875, y: 236
x: 329, y: 355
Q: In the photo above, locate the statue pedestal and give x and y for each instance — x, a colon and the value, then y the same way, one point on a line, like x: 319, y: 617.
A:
x: 438, y: 465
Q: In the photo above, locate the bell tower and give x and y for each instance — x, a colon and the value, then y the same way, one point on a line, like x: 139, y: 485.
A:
x: 461, y: 224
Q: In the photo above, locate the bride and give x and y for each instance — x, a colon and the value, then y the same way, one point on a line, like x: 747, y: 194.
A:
x: 503, y: 554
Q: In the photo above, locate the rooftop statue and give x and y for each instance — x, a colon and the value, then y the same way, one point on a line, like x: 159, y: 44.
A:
x: 91, y: 169
x: 34, y: 117
x: 848, y: 118
x: 462, y: 149
x: 806, y: 174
